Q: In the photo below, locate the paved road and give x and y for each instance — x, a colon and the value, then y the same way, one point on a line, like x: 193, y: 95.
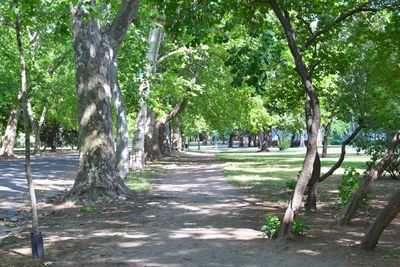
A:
x: 50, y: 175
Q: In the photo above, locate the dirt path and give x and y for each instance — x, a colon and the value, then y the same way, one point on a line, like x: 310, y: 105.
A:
x: 192, y: 217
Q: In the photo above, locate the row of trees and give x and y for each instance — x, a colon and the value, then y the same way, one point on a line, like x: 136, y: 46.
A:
x: 148, y: 72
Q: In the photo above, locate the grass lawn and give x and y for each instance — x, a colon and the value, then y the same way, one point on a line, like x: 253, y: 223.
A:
x: 267, y: 173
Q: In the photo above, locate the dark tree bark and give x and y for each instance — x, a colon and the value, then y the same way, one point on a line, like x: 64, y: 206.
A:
x: 327, y: 129
x: 230, y: 142
x: 342, y: 154
x: 350, y: 210
x: 7, y: 148
x: 382, y: 221
x: 95, y: 48
x: 305, y: 76
x: 311, y: 202
x: 264, y: 142
x: 241, y: 140
x: 198, y: 141
x: 250, y: 138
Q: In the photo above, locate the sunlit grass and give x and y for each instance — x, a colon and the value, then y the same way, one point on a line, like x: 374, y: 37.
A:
x: 269, y: 172
x: 139, y: 181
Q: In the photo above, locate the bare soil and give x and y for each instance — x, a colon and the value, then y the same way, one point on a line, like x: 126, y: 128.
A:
x: 192, y: 217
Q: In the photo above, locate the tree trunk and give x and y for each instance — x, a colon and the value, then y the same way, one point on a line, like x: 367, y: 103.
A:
x: 250, y: 138
x: 350, y: 210
x: 35, y: 222
x: 327, y: 129
x: 264, y: 142
x: 382, y: 221
x: 198, y: 141
x: 241, y: 140
x: 7, y: 148
x: 302, y: 142
x: 95, y: 49
x: 230, y: 141
x: 144, y: 90
x: 122, y: 138
x: 311, y: 202
x: 36, y: 126
x: 342, y: 154
x: 177, y: 137
x: 305, y: 76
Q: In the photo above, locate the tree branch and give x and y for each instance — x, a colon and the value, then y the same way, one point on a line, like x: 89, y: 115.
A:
x: 178, y: 109
x: 117, y: 30
x: 338, y: 20
x: 166, y: 56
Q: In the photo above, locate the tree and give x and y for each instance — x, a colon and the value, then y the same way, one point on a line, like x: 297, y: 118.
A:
x: 95, y: 47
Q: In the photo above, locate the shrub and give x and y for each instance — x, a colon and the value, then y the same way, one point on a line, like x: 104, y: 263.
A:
x: 349, y: 184
x: 283, y: 144
x: 291, y: 184
x: 273, y: 223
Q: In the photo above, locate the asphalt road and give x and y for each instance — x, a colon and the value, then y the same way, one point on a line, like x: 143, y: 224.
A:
x: 51, y: 174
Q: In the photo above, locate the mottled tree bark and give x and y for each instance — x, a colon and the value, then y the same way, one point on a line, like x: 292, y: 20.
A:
x: 138, y: 145
x: 264, y: 142
x: 95, y: 48
x: 350, y: 210
x: 7, y: 148
x: 381, y: 222
x: 122, y: 138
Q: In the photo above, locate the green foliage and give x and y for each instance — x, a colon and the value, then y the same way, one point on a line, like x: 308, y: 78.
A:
x: 283, y: 144
x: 350, y: 182
x: 273, y: 223
x: 291, y: 184
x: 88, y: 209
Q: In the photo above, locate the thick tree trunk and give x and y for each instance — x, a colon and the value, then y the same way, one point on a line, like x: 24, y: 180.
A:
x: 250, y: 138
x: 241, y: 140
x: 154, y: 136
x: 382, y: 221
x: 350, y: 210
x: 305, y: 76
x: 94, y: 52
x: 264, y: 142
x: 122, y: 138
x: 255, y: 141
x: 177, y: 137
x: 327, y: 129
x: 138, y: 150
x: 342, y: 154
x: 230, y: 141
x: 7, y: 148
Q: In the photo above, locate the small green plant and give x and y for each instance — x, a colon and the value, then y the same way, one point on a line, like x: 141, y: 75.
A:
x: 88, y: 209
x: 271, y: 227
x: 283, y: 144
x: 273, y: 223
x: 349, y: 184
x: 299, y: 226
x: 291, y: 184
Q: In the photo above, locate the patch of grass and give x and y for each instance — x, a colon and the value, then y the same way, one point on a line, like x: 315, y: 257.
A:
x: 139, y: 181
x: 270, y: 173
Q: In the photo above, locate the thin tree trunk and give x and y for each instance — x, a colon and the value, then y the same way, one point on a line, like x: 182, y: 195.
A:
x: 327, y: 129
x: 36, y: 126
x: 305, y: 76
x: 350, y: 210
x: 122, y: 138
x: 138, y: 145
x: 7, y: 148
x: 177, y: 137
x: 311, y: 201
x: 342, y: 154
x: 35, y: 222
x: 198, y: 141
x: 302, y: 142
x: 381, y: 222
